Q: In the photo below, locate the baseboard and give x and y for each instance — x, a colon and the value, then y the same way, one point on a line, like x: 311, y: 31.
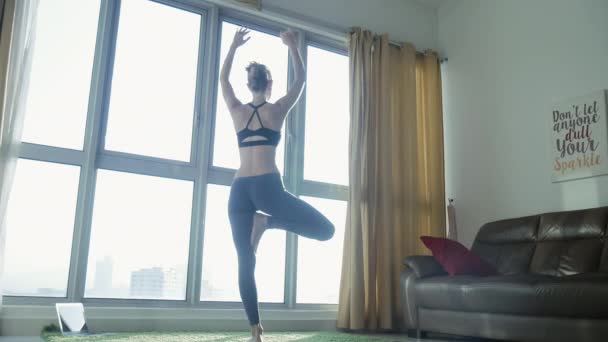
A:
x: 29, y: 320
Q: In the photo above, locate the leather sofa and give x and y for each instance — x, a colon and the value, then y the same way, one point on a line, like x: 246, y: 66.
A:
x: 553, y: 282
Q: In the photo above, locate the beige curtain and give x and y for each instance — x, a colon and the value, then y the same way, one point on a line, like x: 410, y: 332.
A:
x: 396, y: 175
x: 16, y: 42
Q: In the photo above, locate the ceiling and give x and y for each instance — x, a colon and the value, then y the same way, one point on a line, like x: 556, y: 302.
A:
x: 435, y: 4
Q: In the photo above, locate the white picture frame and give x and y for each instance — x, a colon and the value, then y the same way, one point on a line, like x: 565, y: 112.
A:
x: 579, y: 138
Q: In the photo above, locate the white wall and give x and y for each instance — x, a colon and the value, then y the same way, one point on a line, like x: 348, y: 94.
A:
x: 403, y: 20
x: 508, y: 60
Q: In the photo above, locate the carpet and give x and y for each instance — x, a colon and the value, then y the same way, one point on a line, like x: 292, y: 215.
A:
x: 218, y: 337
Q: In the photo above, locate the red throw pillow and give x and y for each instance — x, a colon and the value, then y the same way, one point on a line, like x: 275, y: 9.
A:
x: 456, y: 259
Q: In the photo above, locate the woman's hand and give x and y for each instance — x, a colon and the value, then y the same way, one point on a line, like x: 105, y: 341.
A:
x: 240, y: 37
x: 289, y: 38
x: 287, y: 102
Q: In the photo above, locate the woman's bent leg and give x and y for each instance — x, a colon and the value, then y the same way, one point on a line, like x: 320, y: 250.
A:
x: 288, y: 212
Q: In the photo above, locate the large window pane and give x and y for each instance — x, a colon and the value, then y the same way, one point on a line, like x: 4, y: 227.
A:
x: 262, y: 48
x: 154, y: 81
x: 320, y: 263
x: 56, y: 106
x: 139, y: 237
x: 220, y: 267
x: 40, y: 222
x: 327, y: 117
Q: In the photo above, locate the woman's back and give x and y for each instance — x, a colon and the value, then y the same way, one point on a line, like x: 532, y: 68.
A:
x: 257, y: 130
x: 258, y: 124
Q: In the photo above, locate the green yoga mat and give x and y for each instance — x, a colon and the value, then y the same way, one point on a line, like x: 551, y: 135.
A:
x: 220, y: 337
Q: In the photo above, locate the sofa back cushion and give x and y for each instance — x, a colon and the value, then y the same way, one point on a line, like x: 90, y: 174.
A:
x: 604, y: 258
x: 508, y: 244
x: 570, y: 242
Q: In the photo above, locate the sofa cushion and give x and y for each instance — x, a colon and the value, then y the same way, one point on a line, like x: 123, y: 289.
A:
x: 576, y: 224
x: 508, y: 258
x: 570, y: 242
x: 604, y: 258
x: 566, y: 257
x: 515, y: 230
x: 455, y: 258
x: 508, y: 244
x: 582, y: 295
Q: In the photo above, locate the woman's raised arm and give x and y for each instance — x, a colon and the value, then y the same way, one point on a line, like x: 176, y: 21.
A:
x: 227, y: 91
x: 295, y: 90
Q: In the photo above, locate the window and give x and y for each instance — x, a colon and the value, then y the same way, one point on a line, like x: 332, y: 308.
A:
x: 327, y: 118
x: 139, y: 237
x: 40, y: 222
x: 154, y: 81
x: 263, y: 48
x: 319, y: 264
x: 57, y: 103
x: 136, y: 209
x: 326, y: 164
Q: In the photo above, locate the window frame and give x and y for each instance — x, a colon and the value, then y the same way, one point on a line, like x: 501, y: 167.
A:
x: 300, y: 185
x: 200, y: 169
x: 115, y: 26
x: 310, y: 187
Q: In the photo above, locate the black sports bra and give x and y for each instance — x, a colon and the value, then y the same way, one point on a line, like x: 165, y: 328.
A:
x: 271, y: 136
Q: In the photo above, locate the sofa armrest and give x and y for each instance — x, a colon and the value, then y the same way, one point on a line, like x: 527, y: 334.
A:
x: 417, y: 267
x: 424, y: 266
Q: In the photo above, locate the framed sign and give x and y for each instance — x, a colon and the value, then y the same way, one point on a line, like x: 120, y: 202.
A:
x: 579, y: 139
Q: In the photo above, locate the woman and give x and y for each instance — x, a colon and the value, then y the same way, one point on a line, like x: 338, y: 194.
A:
x: 257, y: 184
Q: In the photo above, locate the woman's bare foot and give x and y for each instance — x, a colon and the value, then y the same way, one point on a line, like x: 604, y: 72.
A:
x: 260, y: 223
x: 256, y: 332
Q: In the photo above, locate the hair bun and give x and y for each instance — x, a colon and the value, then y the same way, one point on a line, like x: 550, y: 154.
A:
x: 258, y: 80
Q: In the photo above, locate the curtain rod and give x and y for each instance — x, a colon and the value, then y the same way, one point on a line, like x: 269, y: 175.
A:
x: 296, y: 20
x: 419, y: 53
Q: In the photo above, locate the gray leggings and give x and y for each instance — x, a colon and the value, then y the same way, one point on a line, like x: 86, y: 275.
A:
x: 267, y: 193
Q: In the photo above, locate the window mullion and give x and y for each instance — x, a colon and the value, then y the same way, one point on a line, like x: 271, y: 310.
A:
x: 206, y: 91
x: 293, y: 175
x: 106, y: 38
